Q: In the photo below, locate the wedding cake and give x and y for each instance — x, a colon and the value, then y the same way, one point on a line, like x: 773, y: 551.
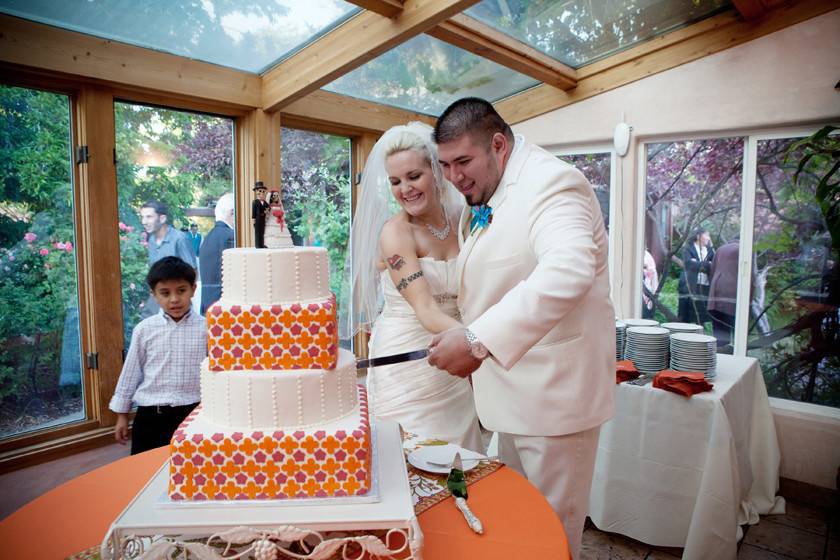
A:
x: 281, y: 413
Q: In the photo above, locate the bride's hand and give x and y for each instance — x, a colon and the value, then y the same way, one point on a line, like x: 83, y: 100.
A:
x: 450, y: 352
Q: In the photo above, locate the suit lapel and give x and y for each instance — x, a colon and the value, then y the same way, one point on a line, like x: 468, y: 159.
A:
x: 511, y: 175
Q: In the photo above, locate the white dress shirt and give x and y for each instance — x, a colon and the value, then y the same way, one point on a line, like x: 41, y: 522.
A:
x: 162, y: 366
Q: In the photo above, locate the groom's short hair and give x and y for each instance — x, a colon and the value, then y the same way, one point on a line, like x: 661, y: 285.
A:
x: 470, y: 115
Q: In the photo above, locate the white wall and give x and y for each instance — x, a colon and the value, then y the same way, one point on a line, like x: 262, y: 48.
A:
x: 783, y: 79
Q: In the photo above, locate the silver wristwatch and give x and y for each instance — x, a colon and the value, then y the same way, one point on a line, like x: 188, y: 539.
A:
x: 477, y: 349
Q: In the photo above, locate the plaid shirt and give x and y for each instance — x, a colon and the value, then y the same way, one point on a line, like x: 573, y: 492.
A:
x: 162, y: 366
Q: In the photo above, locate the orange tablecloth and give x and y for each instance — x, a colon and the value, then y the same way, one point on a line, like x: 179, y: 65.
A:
x: 518, y: 522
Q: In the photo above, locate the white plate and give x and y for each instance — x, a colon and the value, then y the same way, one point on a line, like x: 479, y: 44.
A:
x: 442, y: 454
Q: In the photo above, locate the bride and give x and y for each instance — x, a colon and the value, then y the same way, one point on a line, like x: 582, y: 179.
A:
x: 404, y: 248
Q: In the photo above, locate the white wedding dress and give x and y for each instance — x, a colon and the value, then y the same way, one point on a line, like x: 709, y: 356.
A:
x: 424, y: 400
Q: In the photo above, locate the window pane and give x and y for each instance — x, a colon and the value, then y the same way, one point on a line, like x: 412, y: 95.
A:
x: 793, y: 327
x: 316, y: 194
x: 596, y: 168
x: 692, y: 221
x: 578, y: 32
x: 426, y: 75
x: 247, y: 35
x: 183, y: 161
x: 40, y: 357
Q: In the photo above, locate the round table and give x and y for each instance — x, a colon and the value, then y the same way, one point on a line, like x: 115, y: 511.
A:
x: 75, y: 516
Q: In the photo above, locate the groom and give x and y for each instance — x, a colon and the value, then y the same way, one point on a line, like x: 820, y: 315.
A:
x: 534, y: 294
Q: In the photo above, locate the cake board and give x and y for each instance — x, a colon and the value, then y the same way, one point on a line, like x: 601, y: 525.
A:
x: 149, y: 528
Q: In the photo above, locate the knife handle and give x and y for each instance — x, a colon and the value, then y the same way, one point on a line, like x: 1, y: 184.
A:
x: 472, y: 520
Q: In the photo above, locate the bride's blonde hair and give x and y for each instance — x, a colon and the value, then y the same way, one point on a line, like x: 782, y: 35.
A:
x: 407, y: 140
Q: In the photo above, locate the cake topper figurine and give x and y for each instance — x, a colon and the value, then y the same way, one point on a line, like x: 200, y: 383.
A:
x: 259, y: 210
x: 276, y: 208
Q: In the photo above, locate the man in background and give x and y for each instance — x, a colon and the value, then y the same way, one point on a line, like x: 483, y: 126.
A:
x: 219, y: 238
x: 164, y: 240
x: 195, y: 237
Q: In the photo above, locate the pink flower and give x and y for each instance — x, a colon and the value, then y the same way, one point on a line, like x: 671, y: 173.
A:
x: 30, y: 237
x: 44, y: 252
x: 123, y: 237
x: 68, y: 246
x: 123, y: 227
x: 129, y: 229
x: 59, y: 245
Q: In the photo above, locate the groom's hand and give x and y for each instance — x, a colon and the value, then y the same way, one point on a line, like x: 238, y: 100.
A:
x: 450, y: 352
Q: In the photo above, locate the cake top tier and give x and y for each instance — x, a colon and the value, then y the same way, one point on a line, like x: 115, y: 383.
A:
x: 268, y: 276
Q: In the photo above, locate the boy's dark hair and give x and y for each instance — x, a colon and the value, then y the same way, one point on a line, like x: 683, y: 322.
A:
x: 170, y: 268
x: 470, y: 115
x: 159, y: 207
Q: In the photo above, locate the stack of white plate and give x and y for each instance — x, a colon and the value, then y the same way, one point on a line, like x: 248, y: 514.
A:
x: 683, y: 327
x: 694, y: 352
x: 647, y: 348
x: 620, y: 335
x: 640, y: 322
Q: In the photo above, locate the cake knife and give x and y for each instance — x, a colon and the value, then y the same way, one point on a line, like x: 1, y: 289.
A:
x: 392, y: 359
x: 456, y: 483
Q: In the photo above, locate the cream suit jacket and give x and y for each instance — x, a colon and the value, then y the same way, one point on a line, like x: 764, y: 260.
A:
x: 534, y: 288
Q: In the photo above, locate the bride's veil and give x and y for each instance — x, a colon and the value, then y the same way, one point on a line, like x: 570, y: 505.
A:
x: 361, y: 300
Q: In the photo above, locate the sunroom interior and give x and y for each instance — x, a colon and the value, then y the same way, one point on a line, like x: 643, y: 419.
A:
x: 714, y: 93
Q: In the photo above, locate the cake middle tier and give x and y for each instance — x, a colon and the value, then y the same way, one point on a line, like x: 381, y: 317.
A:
x: 266, y: 400
x: 280, y: 337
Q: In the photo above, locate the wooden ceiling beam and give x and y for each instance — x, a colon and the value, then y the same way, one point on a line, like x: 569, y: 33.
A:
x: 326, y: 108
x: 474, y: 36
x: 387, y: 8
x: 43, y: 47
x: 662, y: 53
x: 359, y: 40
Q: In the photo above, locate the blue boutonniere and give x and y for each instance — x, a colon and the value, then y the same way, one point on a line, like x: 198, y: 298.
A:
x: 482, y: 216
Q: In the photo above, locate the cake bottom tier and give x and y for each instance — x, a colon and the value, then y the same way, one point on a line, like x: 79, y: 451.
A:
x: 208, y: 462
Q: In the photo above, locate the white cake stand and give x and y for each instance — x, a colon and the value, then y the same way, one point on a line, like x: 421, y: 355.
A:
x: 152, y: 527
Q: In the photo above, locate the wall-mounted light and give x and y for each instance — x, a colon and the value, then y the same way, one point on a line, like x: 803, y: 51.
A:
x: 621, y: 138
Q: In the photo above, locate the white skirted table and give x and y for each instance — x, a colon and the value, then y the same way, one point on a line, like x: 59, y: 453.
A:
x: 680, y: 472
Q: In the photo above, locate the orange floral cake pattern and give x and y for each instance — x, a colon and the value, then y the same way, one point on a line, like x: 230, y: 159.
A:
x: 270, y: 465
x: 276, y: 337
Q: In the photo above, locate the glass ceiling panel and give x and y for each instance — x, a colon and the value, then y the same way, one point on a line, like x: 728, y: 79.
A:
x: 250, y: 35
x: 425, y: 75
x: 577, y: 32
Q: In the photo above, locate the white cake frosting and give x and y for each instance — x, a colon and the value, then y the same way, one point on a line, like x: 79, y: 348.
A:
x: 276, y: 238
x: 278, y: 399
x: 289, y: 275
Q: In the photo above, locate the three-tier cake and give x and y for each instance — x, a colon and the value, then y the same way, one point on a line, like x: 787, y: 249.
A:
x: 281, y: 413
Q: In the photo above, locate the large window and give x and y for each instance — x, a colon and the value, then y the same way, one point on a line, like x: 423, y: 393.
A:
x: 793, y: 324
x: 316, y: 194
x: 40, y: 357
x: 597, y: 168
x: 692, y: 218
x: 182, y: 161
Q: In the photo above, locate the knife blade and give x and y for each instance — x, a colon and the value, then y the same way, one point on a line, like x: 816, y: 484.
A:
x: 456, y: 483
x: 392, y: 359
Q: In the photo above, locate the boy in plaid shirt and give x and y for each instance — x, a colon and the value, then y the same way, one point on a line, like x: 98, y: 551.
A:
x: 162, y: 368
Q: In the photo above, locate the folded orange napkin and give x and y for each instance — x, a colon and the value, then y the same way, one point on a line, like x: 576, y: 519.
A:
x: 625, y: 371
x: 681, y: 382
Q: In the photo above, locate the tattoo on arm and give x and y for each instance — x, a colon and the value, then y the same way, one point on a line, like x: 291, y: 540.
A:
x: 408, y: 280
x: 396, y: 262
